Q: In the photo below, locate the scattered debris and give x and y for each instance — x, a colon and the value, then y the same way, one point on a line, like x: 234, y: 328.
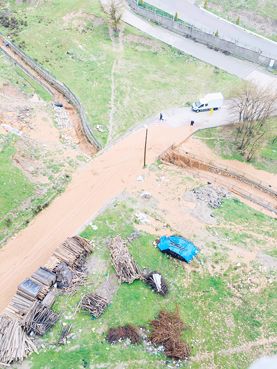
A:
x: 142, y: 218
x: 14, y: 342
x: 39, y: 319
x: 140, y: 178
x: 166, y: 331
x: 146, y: 195
x: 65, y: 334
x: 156, y: 282
x: 124, y: 265
x: 95, y: 304
x: 100, y: 128
x: 211, y: 194
x: 127, y: 332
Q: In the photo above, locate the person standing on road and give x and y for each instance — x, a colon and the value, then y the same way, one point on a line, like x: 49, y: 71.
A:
x: 192, y: 122
x: 161, y: 117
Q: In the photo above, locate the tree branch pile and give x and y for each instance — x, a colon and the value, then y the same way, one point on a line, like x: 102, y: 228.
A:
x: 166, y: 331
x: 124, y: 265
x: 95, y: 304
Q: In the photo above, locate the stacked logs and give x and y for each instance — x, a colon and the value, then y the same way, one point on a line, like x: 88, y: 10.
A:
x: 39, y: 319
x: 73, y: 252
x: 95, y: 304
x: 124, y: 265
x: 166, y: 331
x: 14, y: 343
x: 129, y: 332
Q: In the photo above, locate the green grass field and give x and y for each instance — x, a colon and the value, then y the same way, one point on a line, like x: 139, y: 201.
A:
x: 71, y: 39
x: 253, y: 14
x: 14, y: 186
x: 221, y: 140
x: 221, y: 309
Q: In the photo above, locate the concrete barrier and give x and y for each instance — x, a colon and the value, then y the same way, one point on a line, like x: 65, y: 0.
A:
x: 208, y: 39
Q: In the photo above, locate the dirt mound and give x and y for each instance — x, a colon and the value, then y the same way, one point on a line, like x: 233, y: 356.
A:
x: 81, y: 20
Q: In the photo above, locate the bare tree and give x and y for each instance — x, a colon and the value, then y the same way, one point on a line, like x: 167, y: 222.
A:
x: 115, y: 13
x: 252, y: 107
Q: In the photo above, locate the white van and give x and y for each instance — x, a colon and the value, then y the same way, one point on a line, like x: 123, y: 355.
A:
x: 211, y: 101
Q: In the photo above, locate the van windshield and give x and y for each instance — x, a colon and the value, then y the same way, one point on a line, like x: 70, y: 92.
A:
x: 198, y: 104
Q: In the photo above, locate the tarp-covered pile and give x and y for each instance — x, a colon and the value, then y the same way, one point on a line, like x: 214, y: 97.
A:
x: 178, y: 247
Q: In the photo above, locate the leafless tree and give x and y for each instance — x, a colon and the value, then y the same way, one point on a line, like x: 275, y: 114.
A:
x: 252, y: 107
x: 115, y: 13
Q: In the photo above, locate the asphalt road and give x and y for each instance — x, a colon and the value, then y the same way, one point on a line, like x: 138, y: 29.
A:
x: 211, y: 23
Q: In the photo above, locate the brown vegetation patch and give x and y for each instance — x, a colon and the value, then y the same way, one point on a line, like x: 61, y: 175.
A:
x: 129, y: 332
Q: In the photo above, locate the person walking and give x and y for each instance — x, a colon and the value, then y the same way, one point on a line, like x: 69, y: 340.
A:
x: 192, y: 122
x: 161, y: 117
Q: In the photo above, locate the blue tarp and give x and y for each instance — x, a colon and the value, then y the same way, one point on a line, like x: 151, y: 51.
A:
x: 179, y: 247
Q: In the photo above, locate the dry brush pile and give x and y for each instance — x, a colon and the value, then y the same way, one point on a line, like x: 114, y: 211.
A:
x: 129, y: 332
x: 166, y: 330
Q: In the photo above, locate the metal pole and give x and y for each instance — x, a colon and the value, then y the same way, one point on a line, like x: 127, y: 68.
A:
x: 145, y: 146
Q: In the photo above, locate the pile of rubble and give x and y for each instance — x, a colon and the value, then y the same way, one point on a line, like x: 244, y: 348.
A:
x: 211, y: 194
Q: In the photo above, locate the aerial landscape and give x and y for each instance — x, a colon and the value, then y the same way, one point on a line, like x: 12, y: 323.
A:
x: 138, y: 184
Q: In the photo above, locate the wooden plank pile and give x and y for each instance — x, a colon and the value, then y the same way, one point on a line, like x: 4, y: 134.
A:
x: 73, y: 252
x: 14, y: 342
x: 39, y: 319
x: 30, y: 290
x: 95, y: 304
x: 124, y: 265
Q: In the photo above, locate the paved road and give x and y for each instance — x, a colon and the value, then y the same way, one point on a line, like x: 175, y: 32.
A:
x: 211, y: 23
x: 241, y: 68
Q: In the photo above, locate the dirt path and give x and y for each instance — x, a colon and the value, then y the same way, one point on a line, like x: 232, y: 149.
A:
x: 92, y: 186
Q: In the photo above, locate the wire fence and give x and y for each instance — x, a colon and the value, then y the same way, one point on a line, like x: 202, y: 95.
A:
x: 52, y: 81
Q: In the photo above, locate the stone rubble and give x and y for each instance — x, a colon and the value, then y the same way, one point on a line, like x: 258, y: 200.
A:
x: 211, y: 194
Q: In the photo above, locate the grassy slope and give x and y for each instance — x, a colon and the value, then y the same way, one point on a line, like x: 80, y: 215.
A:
x: 146, y: 80
x: 14, y: 186
x: 206, y: 303
x: 230, y: 9
x: 221, y: 140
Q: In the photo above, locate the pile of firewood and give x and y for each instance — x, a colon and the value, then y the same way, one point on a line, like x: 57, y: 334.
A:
x: 39, y: 319
x: 14, y: 342
x: 73, y: 252
x: 129, y: 332
x: 95, y: 304
x: 166, y: 331
x: 124, y: 265
x: 156, y: 282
